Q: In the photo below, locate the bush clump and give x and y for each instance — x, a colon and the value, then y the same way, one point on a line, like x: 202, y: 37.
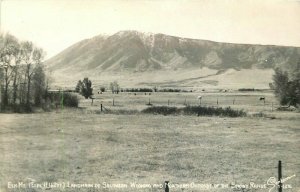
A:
x: 195, y: 110
x: 70, y: 100
x: 213, y: 111
x: 163, y: 110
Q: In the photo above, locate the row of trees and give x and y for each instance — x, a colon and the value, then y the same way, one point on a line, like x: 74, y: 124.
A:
x: 22, y: 75
x: 84, y: 88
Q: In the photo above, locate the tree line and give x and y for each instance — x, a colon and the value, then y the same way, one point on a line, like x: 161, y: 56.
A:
x: 24, y: 82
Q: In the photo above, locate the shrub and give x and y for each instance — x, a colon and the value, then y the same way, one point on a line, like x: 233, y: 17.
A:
x: 21, y: 108
x: 163, y: 110
x: 102, y: 89
x: 70, y: 100
x: 213, y: 111
x: 195, y: 110
x: 246, y: 89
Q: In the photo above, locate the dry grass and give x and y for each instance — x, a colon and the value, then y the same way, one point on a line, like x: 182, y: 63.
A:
x: 82, y: 147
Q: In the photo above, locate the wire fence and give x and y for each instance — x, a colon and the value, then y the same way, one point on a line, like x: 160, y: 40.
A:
x: 142, y: 100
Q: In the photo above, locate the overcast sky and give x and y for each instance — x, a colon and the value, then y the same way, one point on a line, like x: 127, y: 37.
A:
x: 56, y: 24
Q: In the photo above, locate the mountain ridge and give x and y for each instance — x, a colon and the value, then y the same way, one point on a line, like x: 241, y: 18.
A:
x: 137, y: 59
x: 138, y: 52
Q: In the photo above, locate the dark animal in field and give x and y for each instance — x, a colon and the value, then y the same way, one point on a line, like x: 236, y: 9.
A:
x: 262, y: 98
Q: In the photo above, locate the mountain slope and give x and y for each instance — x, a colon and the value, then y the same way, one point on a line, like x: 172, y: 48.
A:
x: 130, y: 56
x: 135, y: 51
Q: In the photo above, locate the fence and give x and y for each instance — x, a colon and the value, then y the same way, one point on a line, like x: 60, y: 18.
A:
x: 140, y: 100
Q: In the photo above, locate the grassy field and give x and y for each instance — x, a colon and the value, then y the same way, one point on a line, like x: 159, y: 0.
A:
x: 248, y: 101
x: 82, y: 147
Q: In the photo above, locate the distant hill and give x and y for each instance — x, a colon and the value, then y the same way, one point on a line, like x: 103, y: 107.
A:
x: 133, y: 51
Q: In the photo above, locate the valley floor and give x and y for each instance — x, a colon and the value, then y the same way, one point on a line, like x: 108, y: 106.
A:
x: 80, y: 147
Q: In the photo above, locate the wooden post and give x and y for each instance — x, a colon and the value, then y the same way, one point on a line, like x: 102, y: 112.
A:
x: 217, y: 101
x: 168, y: 102
x: 149, y: 102
x: 166, y: 186
x: 113, y: 101
x: 92, y: 101
x: 272, y: 106
x: 233, y: 101
x: 101, y: 107
x: 62, y: 100
x: 279, y: 177
x: 185, y: 101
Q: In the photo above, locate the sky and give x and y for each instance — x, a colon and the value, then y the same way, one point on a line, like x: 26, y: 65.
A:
x: 57, y: 24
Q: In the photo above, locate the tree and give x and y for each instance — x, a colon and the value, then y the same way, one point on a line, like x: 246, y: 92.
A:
x: 19, y: 56
x: 114, y: 87
x: 78, y: 86
x: 286, y: 90
x: 39, y: 85
x: 85, y: 88
x: 8, y: 50
x: 32, y: 57
x: 21, y: 73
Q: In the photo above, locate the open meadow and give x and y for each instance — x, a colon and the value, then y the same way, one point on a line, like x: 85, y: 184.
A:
x: 247, y: 101
x: 85, y: 146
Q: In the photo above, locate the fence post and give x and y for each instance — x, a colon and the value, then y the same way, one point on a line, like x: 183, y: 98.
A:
x: 185, y: 101
x: 166, y: 186
x: 113, y: 101
x: 168, y: 102
x: 279, y: 177
x: 149, y: 102
x: 233, y: 101
x: 62, y: 100
x: 217, y: 101
x: 272, y: 106
x: 101, y: 107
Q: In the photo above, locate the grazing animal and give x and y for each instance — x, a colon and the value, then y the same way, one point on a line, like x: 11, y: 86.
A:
x: 199, y: 97
x: 262, y: 98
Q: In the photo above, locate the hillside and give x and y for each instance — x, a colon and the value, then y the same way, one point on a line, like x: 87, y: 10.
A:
x: 129, y: 52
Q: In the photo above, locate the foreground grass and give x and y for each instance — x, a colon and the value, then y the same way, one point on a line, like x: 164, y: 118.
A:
x: 72, y: 145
